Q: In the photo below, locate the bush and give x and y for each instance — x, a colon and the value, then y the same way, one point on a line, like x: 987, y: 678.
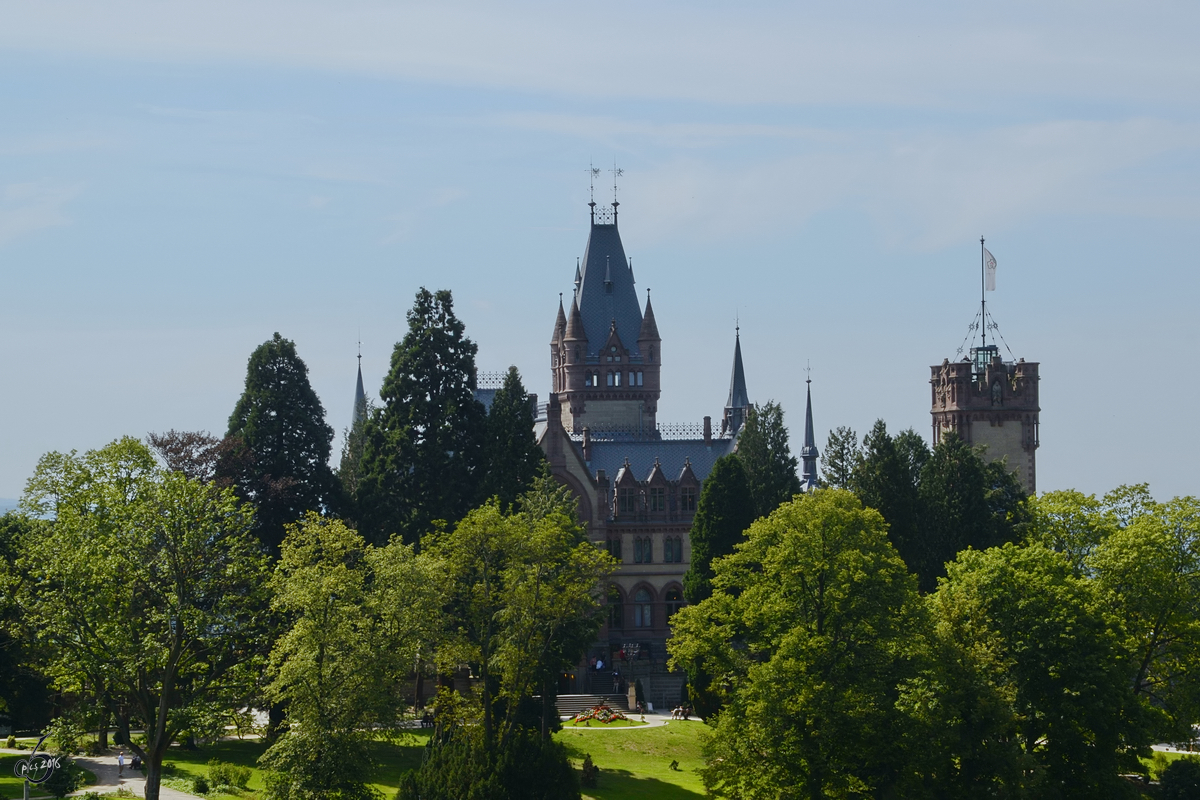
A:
x: 1181, y: 780
x: 66, y: 779
x: 200, y: 784
x: 222, y: 773
x: 458, y: 767
x: 11, y: 742
x: 591, y: 773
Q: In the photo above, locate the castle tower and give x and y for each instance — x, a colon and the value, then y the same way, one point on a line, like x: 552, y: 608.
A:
x: 360, y: 396
x: 989, y: 401
x: 809, y: 479
x: 605, y: 354
x: 738, y: 404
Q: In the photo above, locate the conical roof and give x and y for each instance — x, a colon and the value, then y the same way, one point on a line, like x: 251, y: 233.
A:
x: 560, y: 324
x: 606, y: 292
x: 575, y: 330
x: 738, y: 397
x: 808, y: 454
x: 360, y: 398
x: 649, y: 331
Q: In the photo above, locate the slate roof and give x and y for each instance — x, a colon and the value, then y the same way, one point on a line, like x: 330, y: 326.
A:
x: 360, y: 397
x: 738, y: 397
x: 809, y: 453
x: 604, y: 261
x: 671, y: 454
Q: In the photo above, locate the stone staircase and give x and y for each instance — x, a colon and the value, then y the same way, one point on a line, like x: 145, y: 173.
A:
x: 569, y: 705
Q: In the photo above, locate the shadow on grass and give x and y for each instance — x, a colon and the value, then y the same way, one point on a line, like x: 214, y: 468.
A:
x: 619, y: 784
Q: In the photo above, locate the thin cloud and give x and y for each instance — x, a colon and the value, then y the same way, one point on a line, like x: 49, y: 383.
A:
x: 29, y: 207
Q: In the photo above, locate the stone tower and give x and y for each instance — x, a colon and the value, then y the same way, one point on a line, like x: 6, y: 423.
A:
x: 990, y: 402
x: 605, y: 353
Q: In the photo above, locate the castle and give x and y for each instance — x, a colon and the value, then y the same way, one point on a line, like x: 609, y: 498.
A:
x: 637, y: 480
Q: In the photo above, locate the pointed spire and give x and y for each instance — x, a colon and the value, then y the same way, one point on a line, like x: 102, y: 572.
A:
x: 560, y: 324
x: 631, y: 278
x: 649, y: 331
x: 809, y: 453
x: 739, y: 401
x: 574, y: 329
x: 578, y: 275
x: 360, y: 396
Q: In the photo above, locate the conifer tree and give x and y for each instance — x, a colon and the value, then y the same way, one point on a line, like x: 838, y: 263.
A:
x: 724, y: 513
x: 513, y: 457
x: 423, y: 457
x: 764, y: 452
x: 840, y: 457
x: 279, y: 442
x: 884, y: 480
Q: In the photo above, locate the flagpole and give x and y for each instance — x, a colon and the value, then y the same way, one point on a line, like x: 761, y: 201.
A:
x: 982, y: 290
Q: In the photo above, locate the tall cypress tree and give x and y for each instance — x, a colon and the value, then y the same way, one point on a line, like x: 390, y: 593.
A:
x: 513, y: 457
x: 424, y: 456
x: 841, y: 455
x: 279, y: 442
x: 724, y: 513
x: 764, y: 452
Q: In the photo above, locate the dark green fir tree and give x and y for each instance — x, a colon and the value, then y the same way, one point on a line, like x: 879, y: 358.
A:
x: 764, y: 452
x: 722, y: 517
x: 514, y: 459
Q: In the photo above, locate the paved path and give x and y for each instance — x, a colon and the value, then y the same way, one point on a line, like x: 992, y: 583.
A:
x: 107, y: 779
x: 652, y: 719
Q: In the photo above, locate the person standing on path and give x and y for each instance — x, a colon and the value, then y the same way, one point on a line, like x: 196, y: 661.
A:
x: 120, y: 764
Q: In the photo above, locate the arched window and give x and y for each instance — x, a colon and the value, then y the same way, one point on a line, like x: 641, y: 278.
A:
x: 587, y: 381
x: 633, y: 378
x: 639, y: 379
x: 610, y: 379
x: 674, y: 601
x: 616, y: 378
x: 616, y: 608
x: 637, y: 550
x: 642, y: 616
x: 669, y: 550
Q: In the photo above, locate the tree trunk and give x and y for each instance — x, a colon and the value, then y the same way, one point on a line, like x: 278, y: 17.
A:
x: 153, y: 776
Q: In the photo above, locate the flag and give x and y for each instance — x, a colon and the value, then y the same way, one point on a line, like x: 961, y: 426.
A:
x: 989, y: 269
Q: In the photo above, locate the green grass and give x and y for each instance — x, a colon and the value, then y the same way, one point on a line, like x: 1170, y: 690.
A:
x: 616, y: 723
x: 636, y: 765
x: 12, y: 786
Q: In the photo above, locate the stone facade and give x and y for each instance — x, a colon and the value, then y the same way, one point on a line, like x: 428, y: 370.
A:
x: 993, y: 403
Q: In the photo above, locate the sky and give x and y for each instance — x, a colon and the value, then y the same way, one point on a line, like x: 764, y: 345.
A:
x: 178, y: 181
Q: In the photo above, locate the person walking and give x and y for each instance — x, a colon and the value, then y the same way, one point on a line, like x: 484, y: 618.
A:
x: 120, y: 764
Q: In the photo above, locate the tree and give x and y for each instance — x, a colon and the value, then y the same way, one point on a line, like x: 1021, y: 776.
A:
x: 24, y: 700
x: 1148, y: 574
x: 884, y: 480
x: 964, y: 503
x: 840, y: 457
x: 513, y: 456
x: 808, y: 633
x: 423, y: 456
x: 357, y: 615
x: 524, y: 603
x: 354, y: 441
x: 153, y: 602
x: 770, y: 465
x: 194, y: 453
x: 1053, y: 652
x: 281, y: 442
x: 723, y: 514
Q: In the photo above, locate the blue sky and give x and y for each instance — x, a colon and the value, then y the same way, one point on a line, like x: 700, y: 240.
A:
x: 180, y: 180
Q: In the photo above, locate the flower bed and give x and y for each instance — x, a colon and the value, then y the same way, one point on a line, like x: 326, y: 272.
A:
x: 600, y: 713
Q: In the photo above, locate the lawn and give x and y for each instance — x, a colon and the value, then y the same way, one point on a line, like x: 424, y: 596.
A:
x: 636, y: 764
x: 12, y: 786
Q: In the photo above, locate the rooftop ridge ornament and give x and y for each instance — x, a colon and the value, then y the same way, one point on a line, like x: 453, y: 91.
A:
x: 593, y: 173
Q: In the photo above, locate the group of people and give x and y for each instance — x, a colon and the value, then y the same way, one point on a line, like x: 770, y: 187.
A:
x: 681, y: 712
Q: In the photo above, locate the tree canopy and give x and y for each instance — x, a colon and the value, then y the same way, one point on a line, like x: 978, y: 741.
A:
x: 153, y: 603
x: 513, y: 456
x: 723, y: 514
x: 423, y: 457
x: 279, y: 442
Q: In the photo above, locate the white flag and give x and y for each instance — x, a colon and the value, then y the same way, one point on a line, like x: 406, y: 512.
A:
x: 989, y: 270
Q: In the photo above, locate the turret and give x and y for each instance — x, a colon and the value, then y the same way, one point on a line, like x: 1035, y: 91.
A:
x: 738, y: 404
x: 809, y: 453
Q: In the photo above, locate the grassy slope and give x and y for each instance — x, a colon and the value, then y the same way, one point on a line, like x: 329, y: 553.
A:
x: 636, y: 764
x: 633, y: 763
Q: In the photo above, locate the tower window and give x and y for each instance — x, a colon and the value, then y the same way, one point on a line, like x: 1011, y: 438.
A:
x: 587, y: 381
x: 616, y: 376
x: 626, y: 502
x: 633, y: 379
x: 687, y: 498
x: 639, y: 381
x: 610, y: 379
x: 674, y: 600
x: 669, y: 550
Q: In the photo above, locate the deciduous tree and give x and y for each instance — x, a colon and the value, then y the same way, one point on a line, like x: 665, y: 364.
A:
x: 154, y: 597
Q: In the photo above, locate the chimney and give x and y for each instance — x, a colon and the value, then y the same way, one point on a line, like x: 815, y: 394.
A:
x: 708, y: 431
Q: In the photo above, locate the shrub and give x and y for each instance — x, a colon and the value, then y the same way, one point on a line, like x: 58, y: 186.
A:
x: 200, y: 784
x: 1181, y: 780
x: 591, y: 773
x: 222, y: 773
x: 458, y: 767
x: 10, y: 742
x: 66, y: 779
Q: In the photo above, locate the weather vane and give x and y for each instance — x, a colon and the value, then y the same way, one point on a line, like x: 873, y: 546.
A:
x: 593, y: 173
x: 617, y: 172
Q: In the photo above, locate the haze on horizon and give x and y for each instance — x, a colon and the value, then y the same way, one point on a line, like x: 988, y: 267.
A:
x: 178, y: 181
